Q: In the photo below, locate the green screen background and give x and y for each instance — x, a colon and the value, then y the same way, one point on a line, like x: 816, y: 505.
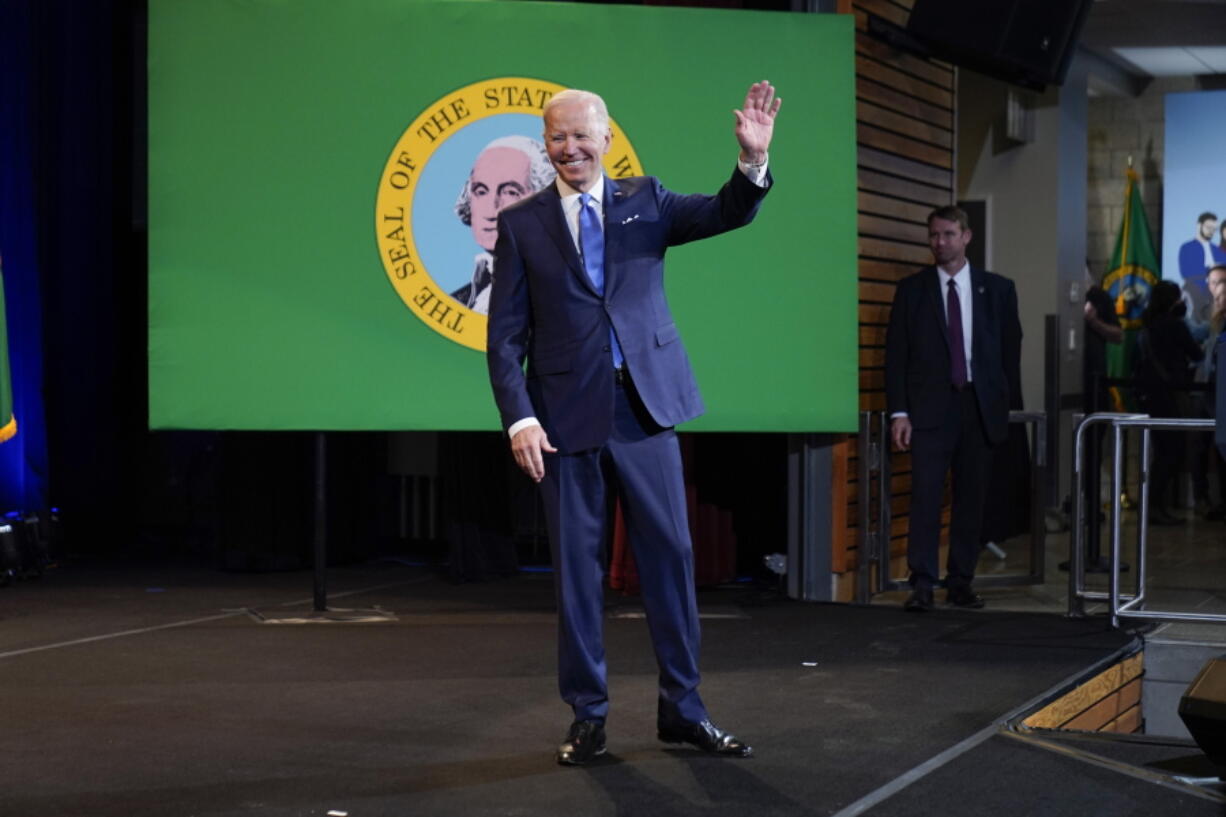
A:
x: 269, y: 125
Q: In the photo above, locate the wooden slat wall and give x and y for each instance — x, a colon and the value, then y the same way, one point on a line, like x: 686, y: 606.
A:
x: 1108, y: 702
x: 905, y: 135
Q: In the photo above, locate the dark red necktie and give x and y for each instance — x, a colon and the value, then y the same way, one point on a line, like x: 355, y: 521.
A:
x: 957, y: 351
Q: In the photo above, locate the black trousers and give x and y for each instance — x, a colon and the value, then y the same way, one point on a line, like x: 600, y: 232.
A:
x: 959, y: 447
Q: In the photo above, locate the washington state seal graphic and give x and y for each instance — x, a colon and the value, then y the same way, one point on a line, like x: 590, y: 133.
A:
x: 465, y: 157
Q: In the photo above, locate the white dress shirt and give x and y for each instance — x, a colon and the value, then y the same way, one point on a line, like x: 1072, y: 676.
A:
x: 1205, y: 245
x: 962, y: 280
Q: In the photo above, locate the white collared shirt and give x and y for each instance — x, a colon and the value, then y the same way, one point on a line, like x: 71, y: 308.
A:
x: 1205, y: 245
x: 962, y: 280
x: 571, y: 207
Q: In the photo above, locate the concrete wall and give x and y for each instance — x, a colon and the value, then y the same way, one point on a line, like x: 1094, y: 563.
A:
x: 1119, y: 128
x: 1036, y: 195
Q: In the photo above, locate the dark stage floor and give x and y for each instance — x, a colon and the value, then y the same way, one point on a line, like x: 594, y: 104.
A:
x: 139, y: 691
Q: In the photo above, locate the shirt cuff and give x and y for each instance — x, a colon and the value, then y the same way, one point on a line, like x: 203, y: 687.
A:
x: 755, y: 173
x: 898, y: 414
x: 520, y: 425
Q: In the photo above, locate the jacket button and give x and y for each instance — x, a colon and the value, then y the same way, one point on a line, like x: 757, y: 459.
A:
x: 604, y: 349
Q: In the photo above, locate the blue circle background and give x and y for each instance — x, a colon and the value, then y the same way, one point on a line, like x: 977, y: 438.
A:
x: 444, y: 243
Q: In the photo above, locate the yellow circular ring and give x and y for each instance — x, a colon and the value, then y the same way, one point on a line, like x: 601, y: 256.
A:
x: 394, y: 203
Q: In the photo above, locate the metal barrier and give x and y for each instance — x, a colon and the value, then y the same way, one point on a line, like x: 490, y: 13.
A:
x: 1078, y: 594
x: 875, y: 517
x: 873, y: 448
x: 1129, y: 606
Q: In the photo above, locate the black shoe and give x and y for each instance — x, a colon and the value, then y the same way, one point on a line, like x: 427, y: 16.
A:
x: 705, y: 736
x: 584, y: 741
x: 1216, y: 512
x: 963, y: 597
x: 920, y: 600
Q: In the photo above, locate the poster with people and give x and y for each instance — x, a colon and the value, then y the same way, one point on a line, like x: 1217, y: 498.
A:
x: 1194, y: 205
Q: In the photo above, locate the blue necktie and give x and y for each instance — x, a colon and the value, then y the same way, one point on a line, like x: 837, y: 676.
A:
x: 591, y: 244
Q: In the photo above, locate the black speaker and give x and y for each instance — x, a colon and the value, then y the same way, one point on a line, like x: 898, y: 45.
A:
x: 1203, y: 709
x: 1028, y: 42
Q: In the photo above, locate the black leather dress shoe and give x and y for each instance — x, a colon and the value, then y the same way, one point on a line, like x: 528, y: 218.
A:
x: 705, y: 736
x: 920, y: 600
x: 584, y: 741
x: 964, y: 597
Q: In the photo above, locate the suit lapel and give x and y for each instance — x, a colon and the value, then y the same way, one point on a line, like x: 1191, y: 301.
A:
x: 549, y: 211
x: 936, y: 302
x: 978, y: 310
x: 614, y: 209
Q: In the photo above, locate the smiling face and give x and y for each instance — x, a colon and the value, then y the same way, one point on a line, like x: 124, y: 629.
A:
x: 501, y: 176
x: 576, y: 138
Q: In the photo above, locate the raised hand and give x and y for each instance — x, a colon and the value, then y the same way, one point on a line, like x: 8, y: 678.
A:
x: 755, y: 123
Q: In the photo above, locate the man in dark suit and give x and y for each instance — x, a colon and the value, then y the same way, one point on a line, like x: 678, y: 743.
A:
x: 952, y: 341
x: 579, y: 294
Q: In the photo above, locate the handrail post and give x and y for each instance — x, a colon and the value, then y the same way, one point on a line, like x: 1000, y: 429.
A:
x: 885, y: 514
x: 1143, y: 515
x: 1130, y: 609
x: 863, y: 510
x: 1038, y: 525
x: 1116, y: 514
x: 1076, y: 556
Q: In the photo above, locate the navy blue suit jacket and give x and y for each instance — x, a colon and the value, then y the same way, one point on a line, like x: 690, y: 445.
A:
x: 544, y: 310
x: 917, y: 370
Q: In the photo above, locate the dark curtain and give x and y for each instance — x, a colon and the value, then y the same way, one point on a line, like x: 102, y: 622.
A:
x: 23, y: 459
x: 1006, y: 511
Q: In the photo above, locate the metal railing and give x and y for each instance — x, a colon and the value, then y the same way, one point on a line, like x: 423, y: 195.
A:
x: 1123, y: 605
x: 875, y: 517
x: 1078, y: 593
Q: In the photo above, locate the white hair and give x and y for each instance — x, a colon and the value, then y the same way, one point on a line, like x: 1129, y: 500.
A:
x: 576, y: 96
x: 540, y: 171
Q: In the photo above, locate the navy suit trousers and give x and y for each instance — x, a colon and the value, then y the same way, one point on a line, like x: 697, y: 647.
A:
x: 959, y: 447
x: 641, y: 464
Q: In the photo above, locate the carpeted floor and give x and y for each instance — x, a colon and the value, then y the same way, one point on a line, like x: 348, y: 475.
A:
x: 194, y: 708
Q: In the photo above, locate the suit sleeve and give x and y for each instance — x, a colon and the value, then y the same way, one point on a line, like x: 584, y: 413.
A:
x: 1190, y: 348
x: 896, y: 354
x: 510, y: 329
x: 1191, y: 259
x: 692, y: 217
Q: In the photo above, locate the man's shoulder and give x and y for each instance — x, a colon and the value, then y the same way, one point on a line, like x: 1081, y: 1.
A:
x: 917, y: 278
x: 992, y: 279
x: 633, y: 185
x: 527, y: 203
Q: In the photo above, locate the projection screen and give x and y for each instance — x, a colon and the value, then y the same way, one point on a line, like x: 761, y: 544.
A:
x: 309, y: 262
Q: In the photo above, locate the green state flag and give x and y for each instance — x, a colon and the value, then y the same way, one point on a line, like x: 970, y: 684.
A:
x: 1133, y: 272
x: 8, y: 423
